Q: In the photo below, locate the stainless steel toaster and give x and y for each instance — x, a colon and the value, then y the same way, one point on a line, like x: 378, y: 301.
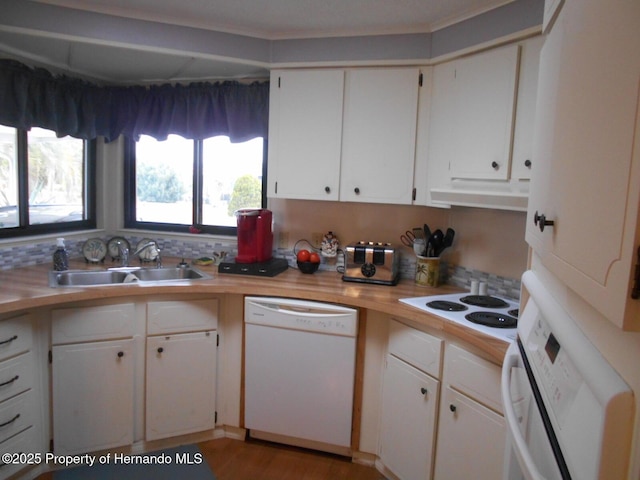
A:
x: 371, y: 262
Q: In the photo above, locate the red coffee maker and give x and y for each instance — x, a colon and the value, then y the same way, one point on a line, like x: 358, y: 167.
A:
x: 255, y: 237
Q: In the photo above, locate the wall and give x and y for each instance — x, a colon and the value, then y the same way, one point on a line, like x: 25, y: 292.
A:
x: 489, y: 244
x: 486, y: 240
x: 490, y: 240
x: 59, y: 22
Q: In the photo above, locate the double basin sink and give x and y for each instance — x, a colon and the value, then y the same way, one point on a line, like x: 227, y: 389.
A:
x: 124, y: 276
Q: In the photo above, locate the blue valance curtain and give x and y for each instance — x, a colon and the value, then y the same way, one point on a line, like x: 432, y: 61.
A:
x: 33, y: 97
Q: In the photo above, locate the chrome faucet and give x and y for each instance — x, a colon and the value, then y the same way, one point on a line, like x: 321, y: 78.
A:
x: 150, y: 244
x: 123, y: 251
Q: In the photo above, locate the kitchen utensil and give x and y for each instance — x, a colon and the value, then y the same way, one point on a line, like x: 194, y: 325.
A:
x: 447, y: 241
x: 427, y: 231
x: 418, y: 233
x: 435, y: 242
x: 428, y: 271
x: 407, y: 239
x: 419, y: 246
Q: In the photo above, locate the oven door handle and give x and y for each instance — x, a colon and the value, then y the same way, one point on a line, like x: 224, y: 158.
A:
x: 518, y: 443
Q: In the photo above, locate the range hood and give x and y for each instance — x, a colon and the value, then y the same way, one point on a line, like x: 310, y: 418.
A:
x: 500, y: 195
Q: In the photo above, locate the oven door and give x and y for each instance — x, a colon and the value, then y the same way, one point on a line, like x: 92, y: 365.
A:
x: 530, y: 452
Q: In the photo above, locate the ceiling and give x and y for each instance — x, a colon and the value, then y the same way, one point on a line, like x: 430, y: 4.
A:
x: 278, y: 19
x: 273, y: 20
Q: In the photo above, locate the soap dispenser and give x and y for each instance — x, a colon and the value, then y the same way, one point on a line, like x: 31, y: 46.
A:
x: 60, y: 256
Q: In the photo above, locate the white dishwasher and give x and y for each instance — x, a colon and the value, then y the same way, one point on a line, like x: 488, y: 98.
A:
x: 299, y: 372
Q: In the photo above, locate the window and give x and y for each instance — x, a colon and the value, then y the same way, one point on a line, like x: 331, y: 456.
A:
x: 175, y: 184
x: 46, y: 183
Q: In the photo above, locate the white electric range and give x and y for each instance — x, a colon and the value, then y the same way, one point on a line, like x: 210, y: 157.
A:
x: 489, y: 314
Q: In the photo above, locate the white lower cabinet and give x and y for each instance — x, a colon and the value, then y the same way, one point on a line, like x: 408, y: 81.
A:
x: 470, y: 439
x: 180, y: 384
x: 93, y: 385
x: 92, y: 375
x: 441, y: 413
x: 21, y: 416
x: 121, y: 372
x: 409, y: 402
x: 181, y: 367
x: 471, y: 428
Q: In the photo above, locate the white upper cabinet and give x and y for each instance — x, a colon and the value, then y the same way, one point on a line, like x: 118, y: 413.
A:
x: 379, y: 135
x: 305, y: 134
x: 481, y: 113
x: 347, y: 135
x: 521, y: 158
x: 459, y: 133
x: 586, y: 162
x: 483, y: 107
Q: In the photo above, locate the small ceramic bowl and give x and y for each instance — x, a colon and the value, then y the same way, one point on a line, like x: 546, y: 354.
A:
x: 308, y: 267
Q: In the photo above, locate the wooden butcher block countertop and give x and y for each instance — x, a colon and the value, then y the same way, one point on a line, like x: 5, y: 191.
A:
x: 27, y: 288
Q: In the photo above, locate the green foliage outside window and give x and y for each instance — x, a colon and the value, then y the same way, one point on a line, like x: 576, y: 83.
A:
x: 247, y: 193
x: 157, y: 183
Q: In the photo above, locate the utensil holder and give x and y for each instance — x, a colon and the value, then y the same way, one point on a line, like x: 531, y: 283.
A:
x: 427, y: 271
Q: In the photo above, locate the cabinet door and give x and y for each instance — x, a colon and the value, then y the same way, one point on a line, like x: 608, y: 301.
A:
x: 485, y: 88
x: 436, y: 145
x: 521, y: 159
x: 92, y: 396
x: 409, y: 405
x: 471, y: 440
x: 305, y: 134
x: 586, y: 172
x: 379, y: 137
x: 177, y: 364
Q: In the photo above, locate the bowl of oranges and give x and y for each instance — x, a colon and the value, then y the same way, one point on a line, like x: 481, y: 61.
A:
x: 308, y: 262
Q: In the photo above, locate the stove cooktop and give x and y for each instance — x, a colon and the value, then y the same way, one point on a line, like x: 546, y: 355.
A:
x: 491, y: 315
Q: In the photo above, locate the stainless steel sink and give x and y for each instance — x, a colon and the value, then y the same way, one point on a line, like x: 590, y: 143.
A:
x: 123, y: 276
x: 167, y: 273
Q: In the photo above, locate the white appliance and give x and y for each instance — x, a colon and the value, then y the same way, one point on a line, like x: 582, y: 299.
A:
x: 569, y: 415
x: 299, y: 372
x: 491, y: 315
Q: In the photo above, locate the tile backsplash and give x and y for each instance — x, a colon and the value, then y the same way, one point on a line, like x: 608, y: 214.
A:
x: 41, y: 252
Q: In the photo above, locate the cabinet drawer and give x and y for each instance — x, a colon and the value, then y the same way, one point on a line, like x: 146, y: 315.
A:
x: 24, y: 442
x: 417, y: 348
x: 16, y: 376
x: 474, y: 376
x: 106, y: 322
x: 17, y: 414
x: 15, y: 336
x: 181, y: 316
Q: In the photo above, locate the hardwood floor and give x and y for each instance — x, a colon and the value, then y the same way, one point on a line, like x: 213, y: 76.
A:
x: 255, y: 460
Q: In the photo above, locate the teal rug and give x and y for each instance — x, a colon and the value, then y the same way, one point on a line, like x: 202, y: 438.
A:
x: 185, y: 462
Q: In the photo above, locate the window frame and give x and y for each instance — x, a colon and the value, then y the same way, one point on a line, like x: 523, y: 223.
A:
x: 24, y: 229
x: 130, y: 199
